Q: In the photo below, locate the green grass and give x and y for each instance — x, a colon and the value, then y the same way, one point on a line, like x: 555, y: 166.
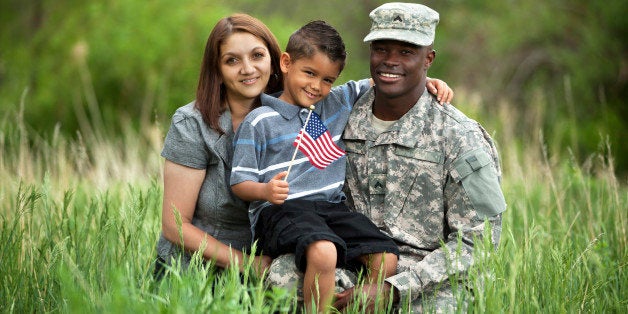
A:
x: 80, y: 217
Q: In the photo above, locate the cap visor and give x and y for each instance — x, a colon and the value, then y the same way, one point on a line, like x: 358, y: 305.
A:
x: 400, y: 35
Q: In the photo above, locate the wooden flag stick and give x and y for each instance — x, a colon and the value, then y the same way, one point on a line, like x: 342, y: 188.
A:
x: 299, y: 139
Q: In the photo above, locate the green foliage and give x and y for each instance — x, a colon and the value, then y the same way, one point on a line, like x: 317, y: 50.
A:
x: 97, y: 63
x: 94, y: 253
x: 548, y: 254
x: 100, y: 64
x: 73, y: 241
x: 570, y: 53
x: 79, y: 216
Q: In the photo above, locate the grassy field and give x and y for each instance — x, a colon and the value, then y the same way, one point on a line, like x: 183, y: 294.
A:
x: 79, y: 219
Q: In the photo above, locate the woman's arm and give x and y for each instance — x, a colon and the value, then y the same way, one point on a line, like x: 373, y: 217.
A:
x: 181, y: 189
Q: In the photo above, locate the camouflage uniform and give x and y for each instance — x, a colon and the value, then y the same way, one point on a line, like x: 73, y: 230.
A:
x: 431, y: 181
x: 433, y: 176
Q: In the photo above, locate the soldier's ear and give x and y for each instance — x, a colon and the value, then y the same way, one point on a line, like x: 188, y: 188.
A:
x: 430, y: 58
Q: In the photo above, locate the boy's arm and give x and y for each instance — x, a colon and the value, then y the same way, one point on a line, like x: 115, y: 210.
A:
x: 274, y: 191
x: 246, y: 181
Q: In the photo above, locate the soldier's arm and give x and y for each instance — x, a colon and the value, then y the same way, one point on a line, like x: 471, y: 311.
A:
x: 473, y: 199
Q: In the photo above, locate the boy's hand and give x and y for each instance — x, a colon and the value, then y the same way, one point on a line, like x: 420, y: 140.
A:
x: 276, y: 190
x: 437, y: 87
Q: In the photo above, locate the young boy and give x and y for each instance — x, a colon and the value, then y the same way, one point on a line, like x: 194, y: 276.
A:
x: 306, y: 214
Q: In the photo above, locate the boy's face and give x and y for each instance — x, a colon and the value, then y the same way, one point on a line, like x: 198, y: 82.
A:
x: 307, y: 80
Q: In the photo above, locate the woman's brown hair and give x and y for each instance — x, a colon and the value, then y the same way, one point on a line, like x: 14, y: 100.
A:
x: 210, y: 94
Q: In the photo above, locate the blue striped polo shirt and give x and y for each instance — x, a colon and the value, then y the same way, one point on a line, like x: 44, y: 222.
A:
x: 263, y: 146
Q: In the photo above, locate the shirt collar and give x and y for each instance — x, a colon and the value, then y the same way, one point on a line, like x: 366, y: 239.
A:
x: 286, y: 110
x: 359, y: 126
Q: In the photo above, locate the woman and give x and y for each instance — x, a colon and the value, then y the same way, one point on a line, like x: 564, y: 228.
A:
x: 241, y: 61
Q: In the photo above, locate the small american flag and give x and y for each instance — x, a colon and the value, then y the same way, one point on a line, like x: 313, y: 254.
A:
x: 317, y: 143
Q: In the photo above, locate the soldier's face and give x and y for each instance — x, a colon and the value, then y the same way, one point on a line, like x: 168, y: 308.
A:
x: 399, y: 69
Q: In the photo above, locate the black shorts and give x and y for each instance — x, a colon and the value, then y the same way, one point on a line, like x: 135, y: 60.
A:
x: 292, y: 226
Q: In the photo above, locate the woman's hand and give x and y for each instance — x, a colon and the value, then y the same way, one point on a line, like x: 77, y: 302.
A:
x: 443, y: 92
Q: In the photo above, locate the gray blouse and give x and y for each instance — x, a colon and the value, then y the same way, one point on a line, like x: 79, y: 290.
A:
x: 190, y: 142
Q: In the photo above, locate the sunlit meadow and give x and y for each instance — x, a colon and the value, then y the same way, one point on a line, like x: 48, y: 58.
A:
x: 80, y: 217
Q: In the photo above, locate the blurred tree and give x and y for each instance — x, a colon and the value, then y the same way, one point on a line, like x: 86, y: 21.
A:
x: 572, y: 53
x: 562, y: 66
x: 98, y: 62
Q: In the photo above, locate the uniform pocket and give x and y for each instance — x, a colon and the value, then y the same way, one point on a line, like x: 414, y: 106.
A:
x: 420, y: 154
x: 356, y: 147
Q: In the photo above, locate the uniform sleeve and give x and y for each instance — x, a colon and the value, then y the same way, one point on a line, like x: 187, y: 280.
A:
x: 473, y: 189
x: 245, y: 164
x: 184, y: 143
x: 473, y: 203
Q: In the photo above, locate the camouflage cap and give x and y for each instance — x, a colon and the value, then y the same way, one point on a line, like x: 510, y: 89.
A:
x: 409, y: 22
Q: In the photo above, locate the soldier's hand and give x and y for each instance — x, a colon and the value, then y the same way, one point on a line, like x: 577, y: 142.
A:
x: 343, y: 299
x: 372, y: 297
x: 262, y: 263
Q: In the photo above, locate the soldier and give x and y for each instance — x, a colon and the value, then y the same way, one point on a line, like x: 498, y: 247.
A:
x: 425, y: 174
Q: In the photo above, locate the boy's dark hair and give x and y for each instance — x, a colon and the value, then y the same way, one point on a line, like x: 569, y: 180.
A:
x: 317, y: 36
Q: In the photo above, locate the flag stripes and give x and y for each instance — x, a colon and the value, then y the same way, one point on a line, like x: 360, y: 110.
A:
x: 317, y: 144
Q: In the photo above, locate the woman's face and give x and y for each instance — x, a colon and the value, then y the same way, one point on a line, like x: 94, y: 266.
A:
x: 245, y: 66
